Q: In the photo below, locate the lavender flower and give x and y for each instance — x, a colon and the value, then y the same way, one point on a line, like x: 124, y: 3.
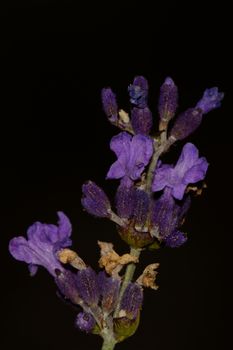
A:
x: 132, y: 300
x: 94, y: 200
x: 109, y: 289
x: 85, y: 322
x: 188, y: 169
x: 66, y: 282
x: 168, y: 100
x: 211, y: 99
x: 176, y: 239
x: 167, y: 217
x: 125, y: 201
x: 87, y: 286
x: 138, y: 92
x: 141, y: 120
x: 188, y: 121
x: 141, y: 207
x: 133, y: 152
x: 109, y: 104
x: 44, y: 240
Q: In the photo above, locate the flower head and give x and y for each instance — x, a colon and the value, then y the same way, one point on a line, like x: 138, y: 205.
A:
x: 211, y: 99
x: 109, y: 104
x: 94, y: 200
x: 138, y: 92
x: 188, y: 169
x: 133, y: 152
x: 43, y: 241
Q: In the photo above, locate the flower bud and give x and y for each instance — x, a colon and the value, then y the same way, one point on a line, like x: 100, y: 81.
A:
x: 94, y: 200
x: 141, y: 120
x: 109, y: 290
x: 125, y: 201
x: 66, y: 282
x: 138, y: 92
x: 132, y: 300
x: 211, y: 99
x: 85, y: 322
x: 87, y: 286
x: 141, y: 207
x: 109, y: 104
x: 168, y: 100
x: 186, y: 123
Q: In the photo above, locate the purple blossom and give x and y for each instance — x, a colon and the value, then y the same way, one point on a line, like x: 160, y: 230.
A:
x: 133, y: 152
x: 124, y: 201
x: 176, y: 239
x: 188, y: 169
x: 186, y: 123
x: 66, y: 282
x: 94, y: 200
x: 109, y: 104
x: 167, y: 217
x: 132, y: 300
x: 138, y: 92
x: 141, y: 206
x: 109, y: 290
x: 87, y: 286
x: 141, y: 120
x: 211, y: 99
x: 85, y: 322
x: 168, y: 100
x: 43, y: 241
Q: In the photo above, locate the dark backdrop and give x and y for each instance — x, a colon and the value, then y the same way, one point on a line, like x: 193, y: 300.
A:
x: 57, y: 55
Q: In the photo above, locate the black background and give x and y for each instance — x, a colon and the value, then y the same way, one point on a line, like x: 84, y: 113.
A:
x: 57, y: 55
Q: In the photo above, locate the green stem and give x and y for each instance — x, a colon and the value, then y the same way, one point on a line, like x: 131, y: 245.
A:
x: 129, y: 272
x: 108, y: 343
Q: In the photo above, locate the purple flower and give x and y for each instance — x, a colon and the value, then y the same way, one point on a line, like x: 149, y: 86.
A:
x: 188, y: 169
x: 176, y: 239
x: 167, y: 217
x: 66, y: 282
x: 94, y: 200
x: 133, y: 152
x: 109, y: 104
x: 141, y: 206
x: 132, y: 300
x: 87, y: 286
x: 109, y: 289
x: 44, y: 240
x: 211, y: 99
x: 186, y: 123
x: 168, y: 100
x: 85, y: 322
x: 138, y: 92
x: 141, y: 120
x: 124, y: 201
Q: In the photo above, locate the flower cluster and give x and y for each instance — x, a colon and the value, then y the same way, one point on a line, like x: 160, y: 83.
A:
x: 150, y: 205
